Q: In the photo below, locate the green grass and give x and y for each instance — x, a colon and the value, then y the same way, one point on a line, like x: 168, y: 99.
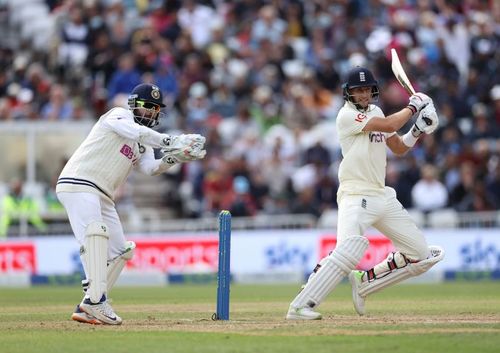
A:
x: 451, y: 317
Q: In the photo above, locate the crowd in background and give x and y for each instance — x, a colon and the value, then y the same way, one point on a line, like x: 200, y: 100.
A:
x: 262, y: 81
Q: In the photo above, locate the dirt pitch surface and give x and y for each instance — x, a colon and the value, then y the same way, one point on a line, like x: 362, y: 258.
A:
x: 251, y: 319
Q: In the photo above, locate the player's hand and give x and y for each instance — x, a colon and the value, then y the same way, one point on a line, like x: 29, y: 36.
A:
x: 176, y: 143
x: 427, y: 120
x: 418, y: 101
x: 186, y: 154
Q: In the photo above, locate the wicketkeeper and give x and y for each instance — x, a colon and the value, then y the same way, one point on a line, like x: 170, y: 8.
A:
x: 122, y: 139
x: 364, y: 200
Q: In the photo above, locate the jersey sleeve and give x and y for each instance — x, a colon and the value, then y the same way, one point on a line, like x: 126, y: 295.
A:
x: 351, y: 122
x: 121, y: 121
x: 148, y: 165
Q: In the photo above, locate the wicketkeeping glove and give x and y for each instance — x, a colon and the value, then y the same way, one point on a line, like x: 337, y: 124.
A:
x: 186, y: 154
x: 418, y: 101
x: 175, y: 143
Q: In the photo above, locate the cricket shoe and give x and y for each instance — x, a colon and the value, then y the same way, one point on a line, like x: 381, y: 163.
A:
x: 358, y: 301
x: 304, y: 313
x: 101, y: 311
x: 83, y: 317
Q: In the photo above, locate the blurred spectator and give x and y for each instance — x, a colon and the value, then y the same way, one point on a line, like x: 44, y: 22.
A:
x: 223, y: 101
x: 73, y: 49
x: 493, y: 184
x: 268, y: 26
x: 495, y: 97
x: 16, y: 206
x: 326, y: 74
x: 326, y: 191
x: 59, y: 107
x: 317, y: 154
x: 193, y: 71
x: 217, y: 49
x: 478, y: 199
x: 304, y: 203
x: 143, y: 46
x: 197, y: 107
x: 165, y: 73
x: 125, y: 78
x: 464, y: 185
x: 294, y: 18
x: 259, y: 189
x: 195, y: 19
x: 238, y: 199
x: 482, y: 125
x: 217, y: 181
x: 429, y: 194
x: 276, y: 172
x: 455, y: 39
x: 409, y: 175
x: 403, y: 188
x: 101, y: 59
x: 265, y: 108
x: 298, y: 112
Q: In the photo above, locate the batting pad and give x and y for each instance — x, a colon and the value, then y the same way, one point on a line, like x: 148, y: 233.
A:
x: 115, y: 266
x: 400, y: 274
x: 336, y: 266
x: 96, y: 255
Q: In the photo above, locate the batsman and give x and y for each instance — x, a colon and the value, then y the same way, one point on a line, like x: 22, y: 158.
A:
x: 364, y: 200
x: 121, y: 140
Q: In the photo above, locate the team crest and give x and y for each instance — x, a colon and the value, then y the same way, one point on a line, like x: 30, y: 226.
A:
x: 155, y: 93
x: 362, y: 77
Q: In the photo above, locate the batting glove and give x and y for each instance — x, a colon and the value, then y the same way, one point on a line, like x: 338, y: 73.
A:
x: 427, y: 121
x: 176, y: 143
x: 418, y: 101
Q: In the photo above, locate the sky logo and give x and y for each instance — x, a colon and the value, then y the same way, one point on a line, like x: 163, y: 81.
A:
x: 287, y: 255
x: 479, y: 256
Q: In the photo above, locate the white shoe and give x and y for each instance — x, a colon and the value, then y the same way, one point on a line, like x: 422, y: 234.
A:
x: 83, y: 317
x: 304, y: 313
x: 101, y: 311
x: 358, y: 301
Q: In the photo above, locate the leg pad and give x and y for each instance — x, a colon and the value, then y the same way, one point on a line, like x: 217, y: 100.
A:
x: 95, y: 254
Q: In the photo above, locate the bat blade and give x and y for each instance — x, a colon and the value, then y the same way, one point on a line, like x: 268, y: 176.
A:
x: 399, y: 72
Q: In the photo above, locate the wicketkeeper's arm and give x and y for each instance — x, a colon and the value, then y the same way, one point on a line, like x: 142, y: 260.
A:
x: 122, y: 122
x: 149, y: 165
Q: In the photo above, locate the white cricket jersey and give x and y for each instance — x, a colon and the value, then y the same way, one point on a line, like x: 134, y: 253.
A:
x: 105, y: 158
x: 362, y: 170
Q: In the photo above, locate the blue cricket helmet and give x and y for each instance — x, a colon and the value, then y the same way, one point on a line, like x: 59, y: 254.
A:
x: 150, y: 98
x: 360, y: 77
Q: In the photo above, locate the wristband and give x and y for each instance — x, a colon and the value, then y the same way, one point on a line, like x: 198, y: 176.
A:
x: 412, y: 108
x: 409, y: 139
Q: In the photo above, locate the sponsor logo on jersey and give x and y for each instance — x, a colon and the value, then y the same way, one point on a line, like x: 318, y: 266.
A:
x: 377, y: 137
x: 127, y: 151
x: 360, y: 117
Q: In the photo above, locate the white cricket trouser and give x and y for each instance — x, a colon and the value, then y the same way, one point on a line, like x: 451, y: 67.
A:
x: 84, y: 208
x: 385, y: 213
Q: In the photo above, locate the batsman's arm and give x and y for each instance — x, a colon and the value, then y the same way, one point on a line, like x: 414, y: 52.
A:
x: 391, y: 123
x: 427, y: 122
x: 396, y: 145
x: 394, y: 122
